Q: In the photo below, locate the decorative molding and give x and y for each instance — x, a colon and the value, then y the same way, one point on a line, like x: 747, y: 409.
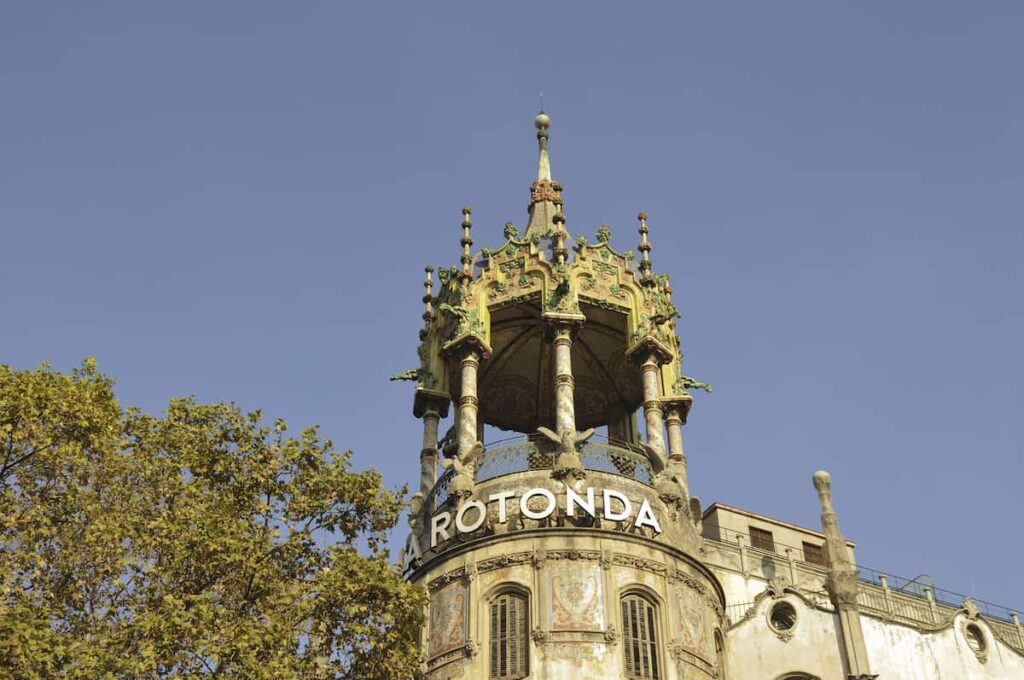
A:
x: 446, y: 578
x: 492, y: 563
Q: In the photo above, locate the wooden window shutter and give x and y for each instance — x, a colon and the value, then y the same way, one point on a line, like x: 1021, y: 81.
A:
x: 762, y: 540
x: 639, y: 638
x: 509, y: 651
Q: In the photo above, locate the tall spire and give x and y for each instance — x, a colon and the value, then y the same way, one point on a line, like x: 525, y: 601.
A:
x: 543, y: 122
x: 545, y: 193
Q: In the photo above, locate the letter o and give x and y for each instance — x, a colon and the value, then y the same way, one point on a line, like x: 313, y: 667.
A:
x: 461, y: 515
x: 524, y: 503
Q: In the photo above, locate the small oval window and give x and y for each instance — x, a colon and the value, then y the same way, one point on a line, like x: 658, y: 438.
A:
x: 975, y: 638
x: 783, y: 616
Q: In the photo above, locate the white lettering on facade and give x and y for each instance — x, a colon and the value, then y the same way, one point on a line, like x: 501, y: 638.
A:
x: 616, y: 508
x: 572, y: 499
x: 627, y: 507
x: 439, y: 529
x: 501, y: 497
x: 645, y: 517
x: 524, y: 503
x: 460, y: 517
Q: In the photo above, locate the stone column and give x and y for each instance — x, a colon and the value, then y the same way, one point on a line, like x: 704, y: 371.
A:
x: 653, y: 416
x: 428, y: 454
x: 674, y: 424
x: 933, y: 609
x: 565, y: 410
x: 886, y: 593
x: 676, y: 410
x: 469, y: 404
x: 842, y: 584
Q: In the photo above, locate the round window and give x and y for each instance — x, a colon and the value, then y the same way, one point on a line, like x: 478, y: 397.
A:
x: 975, y: 638
x: 783, y: 616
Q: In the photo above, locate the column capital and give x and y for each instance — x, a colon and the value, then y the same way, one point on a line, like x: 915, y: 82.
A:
x: 677, y: 407
x: 467, y: 343
x: 648, y: 347
x: 555, y: 321
x: 429, y: 401
x: 559, y: 328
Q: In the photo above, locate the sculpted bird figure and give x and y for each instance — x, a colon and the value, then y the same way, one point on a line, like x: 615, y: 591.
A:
x: 667, y: 477
x: 567, y: 463
x: 464, y: 466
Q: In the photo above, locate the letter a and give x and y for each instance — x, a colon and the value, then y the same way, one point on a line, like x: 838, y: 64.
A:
x: 645, y: 517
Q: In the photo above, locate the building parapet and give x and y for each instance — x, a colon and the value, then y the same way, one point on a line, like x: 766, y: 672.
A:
x: 885, y: 596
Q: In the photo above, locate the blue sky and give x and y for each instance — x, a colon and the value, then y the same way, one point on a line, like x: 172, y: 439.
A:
x: 236, y: 200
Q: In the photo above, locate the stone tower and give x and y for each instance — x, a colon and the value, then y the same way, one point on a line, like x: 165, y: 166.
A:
x: 569, y: 547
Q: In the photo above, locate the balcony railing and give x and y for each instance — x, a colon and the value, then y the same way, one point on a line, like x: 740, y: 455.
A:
x: 909, y: 600
x: 523, y: 453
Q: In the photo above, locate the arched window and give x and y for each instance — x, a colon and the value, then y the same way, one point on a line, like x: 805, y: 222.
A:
x: 509, y: 649
x: 638, y: 636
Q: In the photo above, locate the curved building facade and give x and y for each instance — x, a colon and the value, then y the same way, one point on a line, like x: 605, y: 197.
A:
x: 571, y: 547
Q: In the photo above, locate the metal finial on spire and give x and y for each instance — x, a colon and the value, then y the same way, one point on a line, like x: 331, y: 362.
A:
x: 543, y: 121
x: 645, y: 251
x: 467, y: 241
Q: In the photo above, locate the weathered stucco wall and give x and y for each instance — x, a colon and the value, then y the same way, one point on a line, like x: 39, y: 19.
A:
x: 755, y: 649
x: 574, y: 579
x: 904, y: 653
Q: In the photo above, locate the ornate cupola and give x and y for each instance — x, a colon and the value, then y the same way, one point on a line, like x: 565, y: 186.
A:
x: 581, y: 531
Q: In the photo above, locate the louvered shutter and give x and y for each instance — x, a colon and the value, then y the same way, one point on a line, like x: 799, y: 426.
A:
x: 509, y: 651
x: 638, y: 636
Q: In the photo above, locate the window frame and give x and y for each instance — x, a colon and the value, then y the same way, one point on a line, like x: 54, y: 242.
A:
x: 652, y: 613
x: 817, y: 549
x: 509, y: 590
x: 762, y: 534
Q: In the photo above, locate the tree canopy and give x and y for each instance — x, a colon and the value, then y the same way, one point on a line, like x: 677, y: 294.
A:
x: 205, y: 542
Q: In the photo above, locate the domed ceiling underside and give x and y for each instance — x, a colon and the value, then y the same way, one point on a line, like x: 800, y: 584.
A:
x: 516, y: 384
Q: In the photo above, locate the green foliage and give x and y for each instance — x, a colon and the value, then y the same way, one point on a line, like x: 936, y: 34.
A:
x: 201, y: 543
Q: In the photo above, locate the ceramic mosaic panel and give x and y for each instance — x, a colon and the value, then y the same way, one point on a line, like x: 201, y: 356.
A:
x: 576, y: 595
x: 693, y: 623
x: 447, y: 620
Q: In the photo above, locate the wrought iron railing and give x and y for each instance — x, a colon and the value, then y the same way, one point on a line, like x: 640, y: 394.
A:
x: 909, y: 599
x: 534, y: 452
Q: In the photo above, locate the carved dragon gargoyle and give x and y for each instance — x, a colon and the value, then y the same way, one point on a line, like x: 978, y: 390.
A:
x: 668, y: 478
x: 567, y: 464
x: 464, y: 466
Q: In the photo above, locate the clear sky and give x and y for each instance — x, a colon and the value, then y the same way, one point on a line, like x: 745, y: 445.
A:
x: 236, y: 200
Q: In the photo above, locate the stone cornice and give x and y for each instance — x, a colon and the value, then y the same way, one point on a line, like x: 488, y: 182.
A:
x: 623, y: 559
